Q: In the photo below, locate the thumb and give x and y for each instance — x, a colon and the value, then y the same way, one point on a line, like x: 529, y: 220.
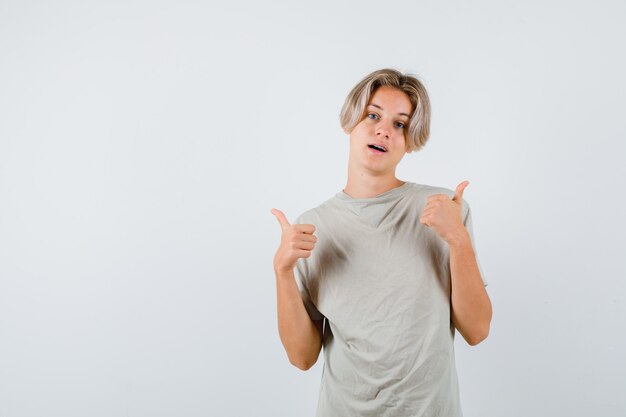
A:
x: 281, y: 218
x: 458, y: 194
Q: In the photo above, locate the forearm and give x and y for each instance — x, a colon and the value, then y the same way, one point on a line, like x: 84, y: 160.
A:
x: 298, y: 333
x: 471, y: 307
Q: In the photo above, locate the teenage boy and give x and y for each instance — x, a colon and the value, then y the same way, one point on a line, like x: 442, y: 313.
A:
x: 389, y: 265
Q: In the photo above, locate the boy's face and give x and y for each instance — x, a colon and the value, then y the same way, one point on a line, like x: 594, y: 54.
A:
x: 385, y: 123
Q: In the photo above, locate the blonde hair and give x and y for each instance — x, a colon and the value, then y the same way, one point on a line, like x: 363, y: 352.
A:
x: 354, y: 108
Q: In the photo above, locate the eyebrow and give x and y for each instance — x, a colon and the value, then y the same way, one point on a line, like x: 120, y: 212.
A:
x: 400, y: 114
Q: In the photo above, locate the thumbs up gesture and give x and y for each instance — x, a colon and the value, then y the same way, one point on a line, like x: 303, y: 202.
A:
x: 444, y: 214
x: 297, y: 241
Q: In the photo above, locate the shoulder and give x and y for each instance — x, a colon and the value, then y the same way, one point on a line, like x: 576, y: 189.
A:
x: 315, y: 214
x: 425, y: 191
x: 422, y: 192
x: 305, y: 217
x: 428, y: 190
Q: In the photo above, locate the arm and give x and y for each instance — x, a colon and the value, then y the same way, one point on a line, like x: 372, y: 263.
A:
x: 300, y: 336
x: 470, y: 304
x: 471, y: 307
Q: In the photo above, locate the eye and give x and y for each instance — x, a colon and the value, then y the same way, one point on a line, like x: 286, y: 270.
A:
x: 400, y: 125
x: 372, y: 114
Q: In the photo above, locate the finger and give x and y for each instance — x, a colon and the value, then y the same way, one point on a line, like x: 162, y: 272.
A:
x: 435, y: 197
x: 304, y: 228
x: 306, y: 237
x: 304, y: 245
x: 303, y: 253
x: 458, y: 194
x: 280, y: 216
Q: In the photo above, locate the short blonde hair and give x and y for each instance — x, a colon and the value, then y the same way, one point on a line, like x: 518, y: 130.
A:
x: 354, y: 108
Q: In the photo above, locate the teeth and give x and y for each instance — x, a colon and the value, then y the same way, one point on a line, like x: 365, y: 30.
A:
x: 379, y: 147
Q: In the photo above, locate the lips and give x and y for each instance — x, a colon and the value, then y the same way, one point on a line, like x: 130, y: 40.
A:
x: 378, y: 146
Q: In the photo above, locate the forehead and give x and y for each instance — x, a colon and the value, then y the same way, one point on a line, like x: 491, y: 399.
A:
x: 391, y: 100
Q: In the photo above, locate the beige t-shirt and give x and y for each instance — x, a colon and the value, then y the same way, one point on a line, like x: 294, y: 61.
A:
x: 382, y: 281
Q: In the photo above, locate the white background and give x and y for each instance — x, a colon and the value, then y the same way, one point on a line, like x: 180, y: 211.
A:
x: 143, y: 144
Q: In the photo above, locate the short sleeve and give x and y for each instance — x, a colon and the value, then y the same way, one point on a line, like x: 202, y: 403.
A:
x: 301, y: 274
x: 470, y: 229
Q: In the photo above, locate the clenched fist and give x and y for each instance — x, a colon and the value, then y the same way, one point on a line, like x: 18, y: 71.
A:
x: 297, y: 241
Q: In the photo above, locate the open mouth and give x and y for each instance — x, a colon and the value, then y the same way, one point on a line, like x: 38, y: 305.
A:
x: 377, y: 147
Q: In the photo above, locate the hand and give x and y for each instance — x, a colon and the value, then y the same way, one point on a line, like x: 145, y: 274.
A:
x: 297, y: 241
x: 444, y: 214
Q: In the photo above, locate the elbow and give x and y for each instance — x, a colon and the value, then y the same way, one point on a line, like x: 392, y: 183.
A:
x: 481, y: 332
x: 303, y: 362
x: 303, y: 365
x: 304, y: 358
x: 475, y: 340
x: 478, y: 337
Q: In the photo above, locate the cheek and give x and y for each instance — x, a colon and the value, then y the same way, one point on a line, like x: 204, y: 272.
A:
x: 358, y: 128
x: 364, y: 127
x: 363, y: 130
x: 401, y: 144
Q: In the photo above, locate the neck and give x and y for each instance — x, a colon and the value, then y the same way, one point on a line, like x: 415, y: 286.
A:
x: 367, y: 186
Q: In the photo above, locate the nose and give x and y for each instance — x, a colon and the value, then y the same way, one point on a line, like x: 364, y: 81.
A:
x: 383, y: 131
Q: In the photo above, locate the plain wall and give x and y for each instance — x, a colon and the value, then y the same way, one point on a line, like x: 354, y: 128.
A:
x: 143, y: 144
